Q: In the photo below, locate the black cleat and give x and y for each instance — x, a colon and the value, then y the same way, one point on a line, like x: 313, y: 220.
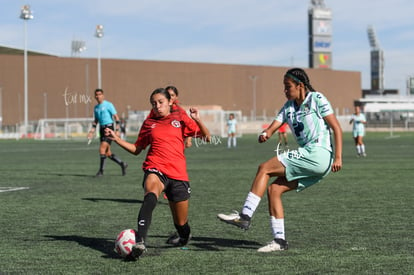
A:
x: 137, y: 250
x: 176, y: 240
x: 124, y: 166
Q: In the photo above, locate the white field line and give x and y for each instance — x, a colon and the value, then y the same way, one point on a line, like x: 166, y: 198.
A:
x: 9, y: 189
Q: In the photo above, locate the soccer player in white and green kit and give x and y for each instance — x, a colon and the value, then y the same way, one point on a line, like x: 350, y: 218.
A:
x: 358, y: 130
x: 231, y: 131
x: 311, y: 118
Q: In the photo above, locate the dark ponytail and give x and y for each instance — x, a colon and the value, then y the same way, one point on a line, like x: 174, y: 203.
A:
x: 173, y: 88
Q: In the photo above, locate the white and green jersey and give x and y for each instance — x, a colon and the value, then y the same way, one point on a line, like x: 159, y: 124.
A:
x: 306, y: 121
x: 358, y: 121
x: 231, y: 126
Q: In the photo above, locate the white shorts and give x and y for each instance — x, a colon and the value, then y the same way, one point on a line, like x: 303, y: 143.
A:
x: 358, y: 133
x: 306, y: 165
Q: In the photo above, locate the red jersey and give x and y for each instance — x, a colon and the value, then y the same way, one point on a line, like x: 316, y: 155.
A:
x: 166, y: 137
x: 174, y: 108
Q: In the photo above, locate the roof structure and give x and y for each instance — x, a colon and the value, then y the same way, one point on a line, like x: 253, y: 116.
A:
x: 13, y: 51
x: 374, y: 104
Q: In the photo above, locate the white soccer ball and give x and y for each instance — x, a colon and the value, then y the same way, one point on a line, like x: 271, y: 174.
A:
x: 124, y: 242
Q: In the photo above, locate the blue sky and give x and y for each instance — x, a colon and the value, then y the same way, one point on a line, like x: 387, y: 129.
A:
x: 252, y: 32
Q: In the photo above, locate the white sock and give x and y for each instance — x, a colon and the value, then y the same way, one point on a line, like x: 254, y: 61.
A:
x: 358, y: 148
x: 234, y: 142
x: 362, y: 149
x: 278, y: 228
x: 250, y: 205
x: 228, y: 142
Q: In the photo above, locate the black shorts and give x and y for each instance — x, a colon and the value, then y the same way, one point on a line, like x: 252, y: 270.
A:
x: 176, y: 190
x: 102, y: 132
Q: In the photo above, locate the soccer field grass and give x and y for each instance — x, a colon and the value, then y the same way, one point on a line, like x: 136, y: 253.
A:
x: 63, y: 220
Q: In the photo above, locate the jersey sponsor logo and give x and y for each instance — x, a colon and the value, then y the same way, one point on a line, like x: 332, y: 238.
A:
x: 298, y: 128
x: 153, y: 125
x: 175, y: 123
x: 306, y: 108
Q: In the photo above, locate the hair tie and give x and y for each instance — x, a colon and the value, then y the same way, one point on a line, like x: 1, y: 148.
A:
x: 293, y: 77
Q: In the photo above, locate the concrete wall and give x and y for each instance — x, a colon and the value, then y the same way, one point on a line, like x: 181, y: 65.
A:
x: 63, y: 87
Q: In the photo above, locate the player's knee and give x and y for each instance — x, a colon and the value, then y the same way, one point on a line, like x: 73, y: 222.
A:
x: 274, y: 190
x: 263, y: 168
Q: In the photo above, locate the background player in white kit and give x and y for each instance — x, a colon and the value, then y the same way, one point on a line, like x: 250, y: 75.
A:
x: 358, y: 130
x: 231, y: 131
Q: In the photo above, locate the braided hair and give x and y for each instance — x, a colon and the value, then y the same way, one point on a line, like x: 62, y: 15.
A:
x: 298, y: 75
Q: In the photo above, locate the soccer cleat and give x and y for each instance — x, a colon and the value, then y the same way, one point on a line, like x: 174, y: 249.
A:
x: 239, y: 220
x: 99, y: 174
x: 124, y: 166
x: 176, y: 240
x: 137, y: 250
x: 275, y: 245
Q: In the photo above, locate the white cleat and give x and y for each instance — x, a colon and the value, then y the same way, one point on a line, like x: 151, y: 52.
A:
x: 236, y: 219
x: 275, y: 245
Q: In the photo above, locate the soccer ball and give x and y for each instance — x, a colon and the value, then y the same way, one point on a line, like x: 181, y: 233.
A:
x: 124, y: 242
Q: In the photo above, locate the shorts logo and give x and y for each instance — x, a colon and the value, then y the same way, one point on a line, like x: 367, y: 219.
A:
x: 176, y: 123
x: 153, y: 170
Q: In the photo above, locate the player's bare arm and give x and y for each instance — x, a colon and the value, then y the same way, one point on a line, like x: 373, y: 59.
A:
x: 336, y: 128
x: 269, y: 131
x: 195, y: 115
x: 123, y: 143
x: 93, y: 129
x: 117, y: 124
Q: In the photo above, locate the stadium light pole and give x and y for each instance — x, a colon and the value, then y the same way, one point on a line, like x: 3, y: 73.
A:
x: 1, y: 108
x: 254, y: 78
x: 45, y: 105
x: 78, y: 46
x: 99, y: 33
x: 26, y: 14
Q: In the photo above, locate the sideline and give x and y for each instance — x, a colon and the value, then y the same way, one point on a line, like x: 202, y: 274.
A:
x: 9, y: 189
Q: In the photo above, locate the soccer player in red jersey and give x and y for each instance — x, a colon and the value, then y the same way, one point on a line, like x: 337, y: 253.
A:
x: 165, y: 165
x: 173, y: 91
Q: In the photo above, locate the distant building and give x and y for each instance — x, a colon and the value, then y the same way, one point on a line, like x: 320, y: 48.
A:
x: 62, y: 87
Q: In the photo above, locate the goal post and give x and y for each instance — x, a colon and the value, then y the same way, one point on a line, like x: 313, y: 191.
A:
x: 213, y: 117
x: 63, y: 128
x: 72, y: 128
